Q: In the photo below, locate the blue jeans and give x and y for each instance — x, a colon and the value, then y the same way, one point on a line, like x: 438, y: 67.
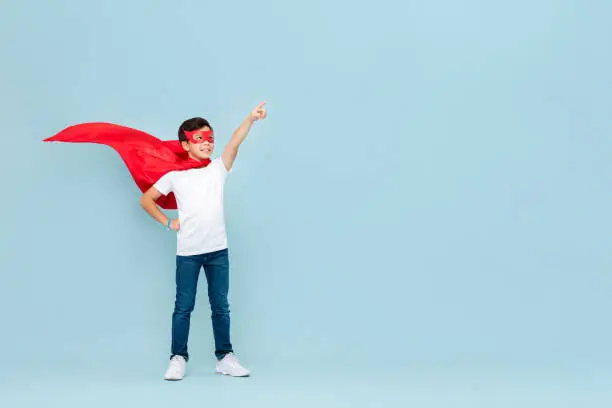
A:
x: 216, y: 268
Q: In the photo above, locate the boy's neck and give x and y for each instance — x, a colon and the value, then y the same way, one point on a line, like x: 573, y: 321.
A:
x: 193, y: 157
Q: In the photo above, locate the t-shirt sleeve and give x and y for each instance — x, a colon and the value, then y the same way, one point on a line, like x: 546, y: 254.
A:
x: 220, y: 168
x: 164, y: 184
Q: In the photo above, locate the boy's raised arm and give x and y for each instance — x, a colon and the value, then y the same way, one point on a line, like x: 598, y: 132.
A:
x: 231, y: 150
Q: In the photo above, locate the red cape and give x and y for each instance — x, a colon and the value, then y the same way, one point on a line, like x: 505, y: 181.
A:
x: 147, y: 158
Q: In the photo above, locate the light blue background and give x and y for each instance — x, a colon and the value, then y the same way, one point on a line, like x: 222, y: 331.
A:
x: 423, y: 218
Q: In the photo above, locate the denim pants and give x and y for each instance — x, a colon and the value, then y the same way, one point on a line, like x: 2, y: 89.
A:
x: 216, y: 268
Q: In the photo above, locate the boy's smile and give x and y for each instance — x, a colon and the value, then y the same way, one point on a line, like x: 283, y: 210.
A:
x: 206, y: 148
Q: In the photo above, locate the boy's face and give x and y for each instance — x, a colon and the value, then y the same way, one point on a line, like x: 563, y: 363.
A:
x: 200, y: 144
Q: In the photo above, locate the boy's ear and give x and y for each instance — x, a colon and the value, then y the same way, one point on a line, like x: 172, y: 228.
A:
x: 185, y: 145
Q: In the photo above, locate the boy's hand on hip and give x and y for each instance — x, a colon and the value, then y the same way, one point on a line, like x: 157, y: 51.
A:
x: 259, y: 112
x: 175, y: 224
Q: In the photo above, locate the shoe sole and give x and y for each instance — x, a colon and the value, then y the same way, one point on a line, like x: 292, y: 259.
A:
x: 235, y: 376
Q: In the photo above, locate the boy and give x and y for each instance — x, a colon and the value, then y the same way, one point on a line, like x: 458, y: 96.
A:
x: 201, y: 238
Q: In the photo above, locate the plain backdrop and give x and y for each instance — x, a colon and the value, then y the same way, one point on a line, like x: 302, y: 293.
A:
x: 430, y: 190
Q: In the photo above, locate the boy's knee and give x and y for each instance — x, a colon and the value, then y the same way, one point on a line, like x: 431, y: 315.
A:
x: 221, y: 308
x: 184, y: 304
x: 183, y: 309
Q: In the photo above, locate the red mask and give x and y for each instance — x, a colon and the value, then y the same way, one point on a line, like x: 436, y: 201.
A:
x: 200, y: 136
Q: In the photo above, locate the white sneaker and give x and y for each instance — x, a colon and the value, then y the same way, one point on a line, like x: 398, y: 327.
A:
x: 177, y: 368
x: 230, y: 365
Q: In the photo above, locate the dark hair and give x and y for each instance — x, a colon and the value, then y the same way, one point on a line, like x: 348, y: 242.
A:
x: 190, y: 125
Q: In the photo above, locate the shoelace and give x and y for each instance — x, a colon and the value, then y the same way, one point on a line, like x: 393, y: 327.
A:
x: 232, y: 360
x: 175, y: 363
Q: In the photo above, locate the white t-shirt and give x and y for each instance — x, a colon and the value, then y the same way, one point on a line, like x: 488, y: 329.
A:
x: 199, y: 195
